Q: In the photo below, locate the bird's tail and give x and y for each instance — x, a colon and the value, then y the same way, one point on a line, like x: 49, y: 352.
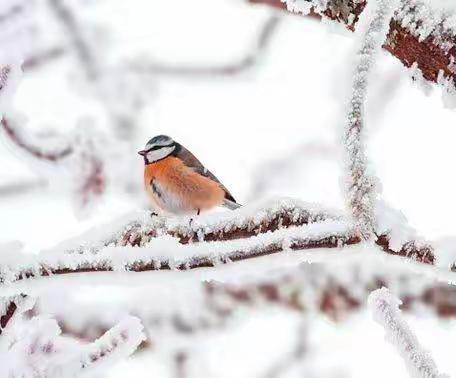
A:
x: 230, y: 204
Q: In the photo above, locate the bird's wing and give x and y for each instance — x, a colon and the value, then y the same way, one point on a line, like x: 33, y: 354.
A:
x: 191, y: 161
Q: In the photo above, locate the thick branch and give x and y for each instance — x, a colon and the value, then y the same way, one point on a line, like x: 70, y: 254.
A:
x: 407, y: 40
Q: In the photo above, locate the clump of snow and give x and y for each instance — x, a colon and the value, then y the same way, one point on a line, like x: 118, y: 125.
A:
x: 385, y: 308
x: 392, y: 222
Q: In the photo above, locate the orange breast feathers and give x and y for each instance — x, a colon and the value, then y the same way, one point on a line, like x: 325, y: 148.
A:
x: 182, y: 189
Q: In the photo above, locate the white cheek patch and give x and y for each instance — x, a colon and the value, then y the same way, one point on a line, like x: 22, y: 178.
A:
x: 159, y: 154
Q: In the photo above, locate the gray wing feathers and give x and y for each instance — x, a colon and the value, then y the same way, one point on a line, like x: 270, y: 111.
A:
x: 191, y: 161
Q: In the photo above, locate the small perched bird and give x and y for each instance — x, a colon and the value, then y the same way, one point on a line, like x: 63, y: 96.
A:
x: 177, y: 183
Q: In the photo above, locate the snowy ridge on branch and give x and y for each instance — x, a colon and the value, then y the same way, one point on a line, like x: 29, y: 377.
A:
x: 138, y: 228
x: 247, y: 221
x: 360, y: 184
x: 386, y: 311
x: 166, y: 253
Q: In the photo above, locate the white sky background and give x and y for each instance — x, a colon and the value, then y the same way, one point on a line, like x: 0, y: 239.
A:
x: 237, y: 125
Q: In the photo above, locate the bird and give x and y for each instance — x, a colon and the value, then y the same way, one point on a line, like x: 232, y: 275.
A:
x: 177, y: 183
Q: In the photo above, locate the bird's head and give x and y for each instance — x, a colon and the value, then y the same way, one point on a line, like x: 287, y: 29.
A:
x: 158, y: 148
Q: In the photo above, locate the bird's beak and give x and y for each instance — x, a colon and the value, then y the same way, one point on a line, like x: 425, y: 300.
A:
x: 142, y: 153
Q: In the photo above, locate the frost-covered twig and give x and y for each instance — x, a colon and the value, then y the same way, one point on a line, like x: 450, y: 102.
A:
x: 254, y: 54
x: 386, y: 312
x: 361, y: 185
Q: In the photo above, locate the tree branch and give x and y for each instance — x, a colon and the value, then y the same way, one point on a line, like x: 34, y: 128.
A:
x: 430, y: 41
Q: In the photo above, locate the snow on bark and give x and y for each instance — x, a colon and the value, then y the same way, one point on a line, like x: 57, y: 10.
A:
x: 385, y: 308
x: 360, y: 183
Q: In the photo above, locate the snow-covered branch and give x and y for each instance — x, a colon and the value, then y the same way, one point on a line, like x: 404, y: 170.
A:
x: 361, y: 185
x: 386, y: 312
x: 158, y: 243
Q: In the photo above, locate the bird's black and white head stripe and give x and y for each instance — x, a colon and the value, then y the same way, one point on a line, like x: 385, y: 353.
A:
x: 158, y: 148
